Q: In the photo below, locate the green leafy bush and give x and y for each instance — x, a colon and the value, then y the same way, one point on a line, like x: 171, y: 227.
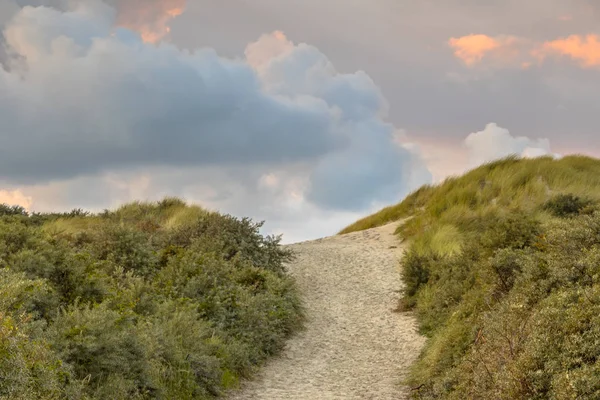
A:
x: 150, y: 301
x: 565, y: 205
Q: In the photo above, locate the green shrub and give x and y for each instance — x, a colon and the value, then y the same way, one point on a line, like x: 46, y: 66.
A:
x: 125, y: 246
x: 6, y: 209
x: 415, y: 271
x: 100, y: 344
x: 231, y: 237
x: 151, y: 301
x: 566, y: 205
x: 514, y: 230
x: 29, y: 369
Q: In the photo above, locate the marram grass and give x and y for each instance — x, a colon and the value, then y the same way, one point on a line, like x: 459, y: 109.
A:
x: 503, y: 274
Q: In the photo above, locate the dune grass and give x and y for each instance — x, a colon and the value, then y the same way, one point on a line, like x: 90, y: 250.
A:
x: 503, y: 183
x: 502, y: 273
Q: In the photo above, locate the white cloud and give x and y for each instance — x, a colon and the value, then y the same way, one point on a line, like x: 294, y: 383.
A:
x: 495, y: 142
x: 373, y: 165
x: 278, y: 198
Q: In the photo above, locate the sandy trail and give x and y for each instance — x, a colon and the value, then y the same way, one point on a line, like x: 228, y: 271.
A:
x: 354, y: 345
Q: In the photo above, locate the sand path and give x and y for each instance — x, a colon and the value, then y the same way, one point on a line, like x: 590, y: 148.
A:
x: 354, y: 345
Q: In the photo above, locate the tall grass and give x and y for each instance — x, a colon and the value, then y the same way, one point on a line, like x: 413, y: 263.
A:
x: 506, y: 183
x: 502, y: 275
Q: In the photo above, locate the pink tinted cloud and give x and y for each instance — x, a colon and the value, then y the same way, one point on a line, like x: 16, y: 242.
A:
x: 150, y: 18
x: 266, y: 48
x: 507, y: 51
x: 583, y: 49
x: 15, y: 197
x: 472, y: 49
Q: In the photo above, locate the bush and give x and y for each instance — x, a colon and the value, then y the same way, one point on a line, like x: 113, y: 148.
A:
x: 566, y: 205
x: 6, y: 209
x: 415, y: 271
x: 101, y: 344
x: 151, y: 301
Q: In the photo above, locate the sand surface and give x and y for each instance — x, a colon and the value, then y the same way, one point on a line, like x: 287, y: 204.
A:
x: 354, y: 345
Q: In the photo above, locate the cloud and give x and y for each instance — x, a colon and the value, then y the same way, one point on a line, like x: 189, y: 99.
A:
x: 15, y: 197
x: 372, y: 164
x: 87, y: 99
x: 506, y: 51
x: 7, y: 10
x: 269, y: 46
x: 371, y: 159
x: 585, y: 50
x: 148, y: 17
x: 276, y: 196
x: 126, y: 103
x: 4, y: 57
x: 404, y: 48
x: 495, y: 142
x: 471, y: 49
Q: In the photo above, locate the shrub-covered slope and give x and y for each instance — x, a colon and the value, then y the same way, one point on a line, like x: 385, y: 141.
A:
x: 503, y: 274
x: 151, y: 301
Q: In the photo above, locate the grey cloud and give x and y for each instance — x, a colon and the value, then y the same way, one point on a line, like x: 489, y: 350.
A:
x: 356, y: 181
x: 3, y: 55
x: 125, y: 103
x: 90, y: 101
x: 45, y: 3
x: 7, y: 10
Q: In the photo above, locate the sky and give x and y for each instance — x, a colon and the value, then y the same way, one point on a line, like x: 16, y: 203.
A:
x: 306, y: 114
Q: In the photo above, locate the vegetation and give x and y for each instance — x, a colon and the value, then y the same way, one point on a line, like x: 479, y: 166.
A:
x: 151, y: 301
x: 503, y: 274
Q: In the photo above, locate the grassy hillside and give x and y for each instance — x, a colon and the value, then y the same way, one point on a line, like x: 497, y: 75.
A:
x: 150, y: 301
x: 503, y: 274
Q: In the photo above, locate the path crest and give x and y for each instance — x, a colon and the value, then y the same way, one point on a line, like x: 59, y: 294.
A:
x: 354, y: 345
